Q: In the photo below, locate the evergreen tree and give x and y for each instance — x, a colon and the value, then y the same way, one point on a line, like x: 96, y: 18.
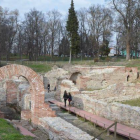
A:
x: 72, y: 28
x: 105, y: 50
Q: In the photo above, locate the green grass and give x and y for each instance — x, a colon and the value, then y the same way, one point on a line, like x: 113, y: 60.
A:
x: 8, y: 132
x: 45, y: 66
x: 46, y: 58
x: 40, y: 67
x: 134, y: 63
x: 135, y: 102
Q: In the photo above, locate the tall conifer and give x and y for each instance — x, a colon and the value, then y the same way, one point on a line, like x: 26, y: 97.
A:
x: 72, y: 28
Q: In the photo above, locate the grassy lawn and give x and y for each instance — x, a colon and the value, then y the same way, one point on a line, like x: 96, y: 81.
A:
x: 8, y: 132
x: 37, y: 67
x: 45, y: 66
x: 134, y: 63
x: 135, y: 102
x: 41, y: 68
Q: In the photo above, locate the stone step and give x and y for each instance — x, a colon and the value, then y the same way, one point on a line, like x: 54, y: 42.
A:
x: 24, y: 131
x: 63, y: 114
x: 70, y: 118
x: 52, y: 105
x: 55, y: 108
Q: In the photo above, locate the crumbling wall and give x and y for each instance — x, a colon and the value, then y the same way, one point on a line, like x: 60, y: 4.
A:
x: 2, y: 95
x: 69, y: 86
x: 54, y: 75
x: 103, y: 77
x: 124, y: 114
x: 59, y: 129
x: 11, y: 92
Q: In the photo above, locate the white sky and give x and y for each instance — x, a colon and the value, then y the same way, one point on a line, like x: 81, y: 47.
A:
x: 62, y: 6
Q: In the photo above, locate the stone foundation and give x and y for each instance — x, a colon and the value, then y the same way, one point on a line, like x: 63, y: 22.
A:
x: 59, y: 129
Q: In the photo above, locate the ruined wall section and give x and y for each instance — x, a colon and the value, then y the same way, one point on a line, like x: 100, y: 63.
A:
x: 124, y: 114
x: 56, y: 75
x: 102, y: 78
x: 100, y: 91
x: 11, y: 92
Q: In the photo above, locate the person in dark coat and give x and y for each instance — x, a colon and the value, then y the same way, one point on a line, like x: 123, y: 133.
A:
x: 48, y: 88
x: 69, y: 98
x: 65, y: 96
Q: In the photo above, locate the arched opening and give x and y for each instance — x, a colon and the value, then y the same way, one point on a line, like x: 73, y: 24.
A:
x: 75, y: 78
x: 104, y: 83
x: 128, y: 78
x: 17, y: 97
x: 138, y: 75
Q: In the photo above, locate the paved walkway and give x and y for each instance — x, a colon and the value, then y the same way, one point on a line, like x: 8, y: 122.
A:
x: 24, y: 131
x: 102, y: 122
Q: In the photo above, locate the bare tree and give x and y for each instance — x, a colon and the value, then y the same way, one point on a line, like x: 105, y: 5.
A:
x: 54, y: 25
x: 127, y: 11
x: 34, y: 21
x: 99, y: 22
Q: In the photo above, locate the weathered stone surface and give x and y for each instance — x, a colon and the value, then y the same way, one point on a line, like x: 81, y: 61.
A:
x: 59, y: 129
x: 69, y: 86
x: 11, y: 92
x: 54, y: 75
x: 2, y: 97
x: 9, y: 113
x: 97, y: 88
x: 49, y: 95
x: 27, y: 102
x: 114, y: 111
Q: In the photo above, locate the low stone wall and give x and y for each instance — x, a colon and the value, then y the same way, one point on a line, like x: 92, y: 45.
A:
x: 124, y: 114
x: 59, y: 129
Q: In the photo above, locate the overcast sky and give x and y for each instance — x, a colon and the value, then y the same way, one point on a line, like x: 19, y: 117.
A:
x: 62, y: 6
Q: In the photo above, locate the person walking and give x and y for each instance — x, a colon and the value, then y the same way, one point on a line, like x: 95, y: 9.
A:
x: 65, y: 96
x: 69, y: 98
x: 48, y: 88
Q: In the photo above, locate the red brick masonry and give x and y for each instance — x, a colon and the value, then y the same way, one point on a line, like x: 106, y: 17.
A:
x: 39, y: 109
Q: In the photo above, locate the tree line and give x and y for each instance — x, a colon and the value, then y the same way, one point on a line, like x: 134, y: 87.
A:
x: 46, y: 34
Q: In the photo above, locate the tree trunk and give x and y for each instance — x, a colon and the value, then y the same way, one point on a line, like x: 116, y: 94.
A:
x: 70, y: 57
x: 128, y: 46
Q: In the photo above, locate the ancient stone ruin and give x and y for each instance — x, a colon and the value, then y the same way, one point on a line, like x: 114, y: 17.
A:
x: 100, y: 90
x: 33, y: 106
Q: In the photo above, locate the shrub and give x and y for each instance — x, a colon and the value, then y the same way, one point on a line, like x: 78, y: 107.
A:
x: 96, y: 59
x: 107, y: 59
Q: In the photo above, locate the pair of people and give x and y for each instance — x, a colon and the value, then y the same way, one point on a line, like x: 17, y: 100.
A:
x: 67, y: 97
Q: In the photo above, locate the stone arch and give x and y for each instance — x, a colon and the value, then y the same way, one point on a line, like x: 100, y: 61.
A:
x: 75, y: 78
x: 39, y: 108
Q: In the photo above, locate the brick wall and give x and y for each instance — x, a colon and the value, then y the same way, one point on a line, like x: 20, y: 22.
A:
x: 38, y: 107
